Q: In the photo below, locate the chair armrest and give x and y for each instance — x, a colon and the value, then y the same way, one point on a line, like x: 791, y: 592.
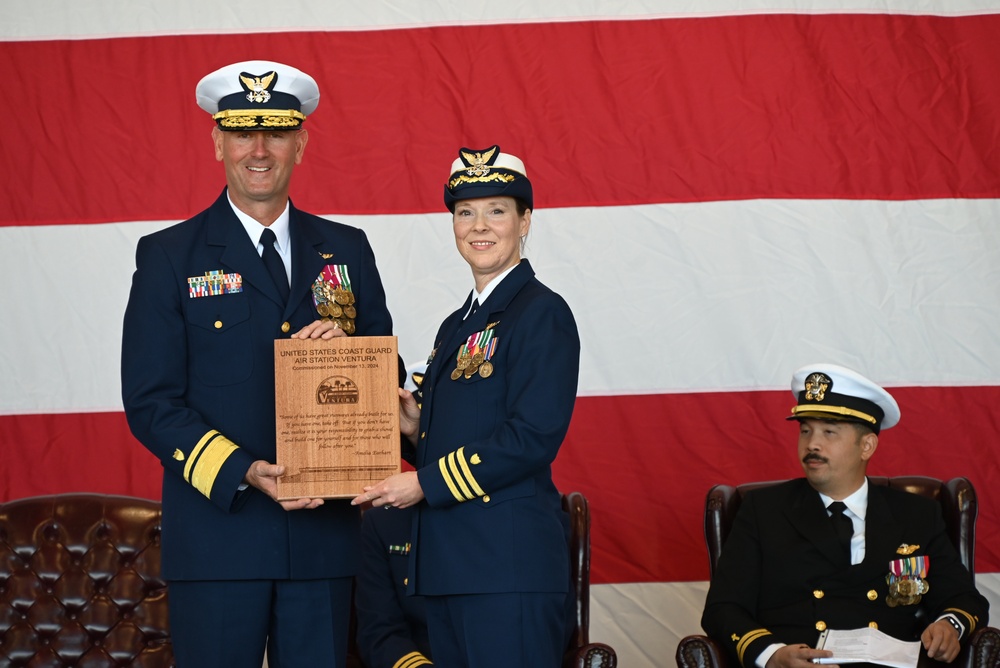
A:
x: 591, y: 655
x: 700, y: 652
x: 982, y: 650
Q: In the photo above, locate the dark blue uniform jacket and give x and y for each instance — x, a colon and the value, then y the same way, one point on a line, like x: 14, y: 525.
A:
x: 198, y: 389
x: 492, y: 521
x: 782, y: 577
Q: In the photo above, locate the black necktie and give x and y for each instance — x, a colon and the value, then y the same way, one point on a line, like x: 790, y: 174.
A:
x: 274, y: 265
x: 842, y: 525
x: 472, y: 311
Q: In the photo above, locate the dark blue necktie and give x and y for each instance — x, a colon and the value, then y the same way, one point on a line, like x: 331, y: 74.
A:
x: 274, y: 265
x: 842, y: 525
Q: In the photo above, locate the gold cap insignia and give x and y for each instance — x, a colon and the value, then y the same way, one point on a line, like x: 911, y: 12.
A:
x: 478, y: 164
x: 475, y: 459
x: 907, y: 549
x: 178, y: 455
x: 258, y: 88
x: 816, y: 386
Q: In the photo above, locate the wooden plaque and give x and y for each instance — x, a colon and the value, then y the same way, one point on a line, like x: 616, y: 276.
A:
x: 337, y: 414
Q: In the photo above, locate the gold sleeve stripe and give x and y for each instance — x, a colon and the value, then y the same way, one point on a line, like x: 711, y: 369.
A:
x: 458, y: 487
x: 972, y: 620
x: 206, y: 461
x: 458, y: 476
x: 745, y: 641
x: 456, y: 461
x: 464, y: 463
x: 442, y: 464
x: 210, y: 463
x: 412, y: 660
x: 196, y: 452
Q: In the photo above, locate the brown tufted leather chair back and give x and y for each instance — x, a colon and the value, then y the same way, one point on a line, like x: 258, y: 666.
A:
x: 80, y: 582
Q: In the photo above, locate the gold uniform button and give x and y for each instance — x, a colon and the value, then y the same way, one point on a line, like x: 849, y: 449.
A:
x: 486, y: 499
x: 423, y: 434
x: 285, y: 327
x: 821, y: 626
x: 819, y: 593
x: 406, y: 581
x: 873, y: 625
x: 872, y: 594
x: 218, y: 324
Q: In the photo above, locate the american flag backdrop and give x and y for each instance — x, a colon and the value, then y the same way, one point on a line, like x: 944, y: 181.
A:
x: 726, y: 190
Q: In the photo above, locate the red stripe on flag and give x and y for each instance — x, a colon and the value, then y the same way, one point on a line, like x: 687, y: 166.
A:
x: 74, y: 452
x: 607, y: 113
x: 645, y: 463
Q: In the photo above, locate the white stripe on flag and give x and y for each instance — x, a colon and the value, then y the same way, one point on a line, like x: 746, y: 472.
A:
x: 55, y: 19
x: 668, y: 298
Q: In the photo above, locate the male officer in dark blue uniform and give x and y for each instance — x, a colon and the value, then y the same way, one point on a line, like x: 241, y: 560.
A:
x: 832, y: 551
x: 209, y: 297
x: 392, y: 627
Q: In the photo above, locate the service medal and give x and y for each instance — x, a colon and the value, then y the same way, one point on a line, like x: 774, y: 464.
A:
x: 907, y: 580
x: 473, y: 357
x: 332, y: 296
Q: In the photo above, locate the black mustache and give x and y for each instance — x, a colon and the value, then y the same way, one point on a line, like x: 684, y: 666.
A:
x: 813, y: 457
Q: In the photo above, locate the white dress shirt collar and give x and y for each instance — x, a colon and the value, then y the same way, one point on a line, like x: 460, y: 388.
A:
x: 857, y: 503
x: 279, y: 227
x: 488, y: 290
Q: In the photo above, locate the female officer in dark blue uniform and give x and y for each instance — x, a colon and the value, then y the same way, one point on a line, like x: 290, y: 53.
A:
x: 490, y: 536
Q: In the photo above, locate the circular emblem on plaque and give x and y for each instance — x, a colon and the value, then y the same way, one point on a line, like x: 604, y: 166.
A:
x: 337, y: 390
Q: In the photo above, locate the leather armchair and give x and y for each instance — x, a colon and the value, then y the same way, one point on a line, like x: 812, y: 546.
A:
x: 80, y: 582
x: 582, y: 653
x: 959, y: 506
